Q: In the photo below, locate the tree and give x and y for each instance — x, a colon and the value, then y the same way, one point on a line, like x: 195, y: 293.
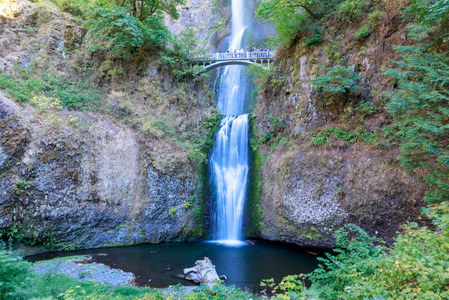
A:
x: 142, y: 9
x: 294, y: 18
x: 123, y: 27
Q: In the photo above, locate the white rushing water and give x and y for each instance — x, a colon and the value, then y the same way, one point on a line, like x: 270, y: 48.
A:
x: 229, y: 160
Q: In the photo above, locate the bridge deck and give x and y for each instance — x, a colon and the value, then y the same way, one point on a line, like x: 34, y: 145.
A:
x: 225, y: 56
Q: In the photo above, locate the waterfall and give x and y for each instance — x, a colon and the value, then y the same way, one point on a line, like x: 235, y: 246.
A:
x: 229, y: 159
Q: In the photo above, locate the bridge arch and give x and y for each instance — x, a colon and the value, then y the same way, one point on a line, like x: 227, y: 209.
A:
x: 218, y: 64
x: 215, y: 60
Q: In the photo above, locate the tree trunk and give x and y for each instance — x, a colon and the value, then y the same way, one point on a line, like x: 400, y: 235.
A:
x: 203, y: 272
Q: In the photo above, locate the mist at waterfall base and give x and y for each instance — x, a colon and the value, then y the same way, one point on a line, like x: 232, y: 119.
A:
x: 245, y: 267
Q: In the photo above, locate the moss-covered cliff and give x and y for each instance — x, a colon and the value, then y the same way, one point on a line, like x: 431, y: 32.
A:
x: 95, y: 150
x: 329, y: 159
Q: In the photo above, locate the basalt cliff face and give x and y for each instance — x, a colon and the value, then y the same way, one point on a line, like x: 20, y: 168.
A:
x: 309, y: 190
x: 210, y: 20
x: 113, y: 176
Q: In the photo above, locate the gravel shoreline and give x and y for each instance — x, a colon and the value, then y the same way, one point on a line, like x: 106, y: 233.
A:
x: 84, y: 269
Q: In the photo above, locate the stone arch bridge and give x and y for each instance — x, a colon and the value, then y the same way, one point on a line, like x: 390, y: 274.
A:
x: 215, y: 60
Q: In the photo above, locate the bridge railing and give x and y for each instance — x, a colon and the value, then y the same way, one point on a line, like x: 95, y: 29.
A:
x: 246, y: 55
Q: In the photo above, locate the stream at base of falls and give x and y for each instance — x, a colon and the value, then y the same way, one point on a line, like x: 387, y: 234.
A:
x: 244, y: 266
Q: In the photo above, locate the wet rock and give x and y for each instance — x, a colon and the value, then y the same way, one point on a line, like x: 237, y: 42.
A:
x: 3, y: 157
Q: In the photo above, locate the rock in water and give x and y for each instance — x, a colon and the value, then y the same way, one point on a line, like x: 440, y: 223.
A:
x: 203, y: 272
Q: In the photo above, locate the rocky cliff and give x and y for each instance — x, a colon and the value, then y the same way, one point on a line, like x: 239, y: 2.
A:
x: 123, y: 172
x: 311, y: 187
x: 210, y: 19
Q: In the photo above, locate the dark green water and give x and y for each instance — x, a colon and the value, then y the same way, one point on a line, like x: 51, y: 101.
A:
x: 244, y: 266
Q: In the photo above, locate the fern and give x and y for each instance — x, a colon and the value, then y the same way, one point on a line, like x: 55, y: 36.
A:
x: 420, y: 108
x: 13, y: 271
x: 338, y: 79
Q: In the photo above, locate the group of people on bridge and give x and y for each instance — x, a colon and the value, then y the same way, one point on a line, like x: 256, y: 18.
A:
x: 253, y: 53
x: 265, y: 52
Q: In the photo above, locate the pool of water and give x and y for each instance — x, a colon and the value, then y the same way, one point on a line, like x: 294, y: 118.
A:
x: 244, y: 266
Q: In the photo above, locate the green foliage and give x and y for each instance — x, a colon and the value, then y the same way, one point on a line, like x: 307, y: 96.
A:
x: 203, y: 146
x: 116, y: 30
x: 143, y: 9
x: 176, y: 56
x: 433, y: 16
x: 25, y: 86
x: 219, y: 292
x: 255, y: 184
x: 22, y: 186
x: 276, y: 126
x: 356, y: 259
x: 13, y: 271
x: 417, y: 267
x: 290, y: 287
x: 358, y: 134
x: 314, y: 37
x: 57, y: 286
x: 375, y: 17
x: 338, y: 79
x: 420, y: 108
x: 414, y: 268
x: 77, y: 8
x: 172, y: 212
x: 294, y: 18
x: 363, y: 33
x: 211, y: 123
x: 321, y: 137
x: 351, y: 10
x: 427, y: 12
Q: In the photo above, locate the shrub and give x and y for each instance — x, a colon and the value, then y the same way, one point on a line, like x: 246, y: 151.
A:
x: 176, y: 58
x: 414, y: 268
x: 351, y: 10
x: 172, y: 212
x: 356, y: 259
x: 338, y: 79
x: 75, y: 7
x: 116, y: 30
x: 290, y: 287
x: 314, y: 37
x: 375, y: 17
x: 363, y: 33
x: 13, y: 271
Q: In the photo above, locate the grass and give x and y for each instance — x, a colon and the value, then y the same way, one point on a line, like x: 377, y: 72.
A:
x: 25, y: 84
